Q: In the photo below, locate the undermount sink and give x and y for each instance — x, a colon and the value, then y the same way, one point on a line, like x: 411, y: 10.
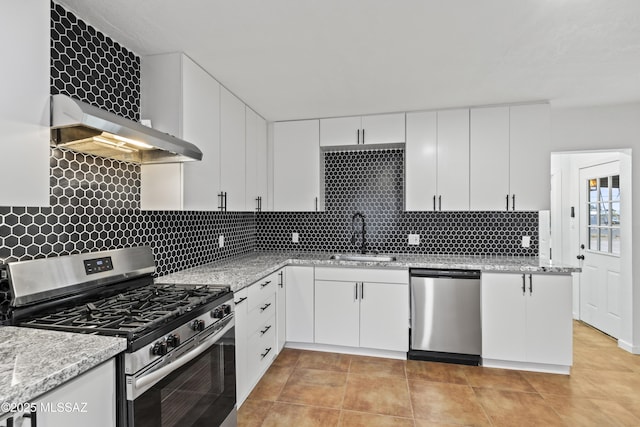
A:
x: 363, y: 257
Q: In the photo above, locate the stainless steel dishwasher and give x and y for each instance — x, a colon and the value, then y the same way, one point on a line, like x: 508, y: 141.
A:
x: 445, y: 316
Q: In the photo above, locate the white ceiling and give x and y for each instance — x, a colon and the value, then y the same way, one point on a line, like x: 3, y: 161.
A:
x: 291, y: 59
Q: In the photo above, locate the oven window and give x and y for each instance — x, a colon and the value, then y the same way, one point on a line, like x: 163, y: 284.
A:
x: 202, y: 392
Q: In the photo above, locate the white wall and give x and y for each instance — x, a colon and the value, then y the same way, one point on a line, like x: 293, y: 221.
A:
x: 615, y: 127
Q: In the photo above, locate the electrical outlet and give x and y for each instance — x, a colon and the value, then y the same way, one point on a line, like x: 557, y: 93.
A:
x: 295, y: 237
x: 414, y: 239
x: 526, y: 241
x: 221, y: 241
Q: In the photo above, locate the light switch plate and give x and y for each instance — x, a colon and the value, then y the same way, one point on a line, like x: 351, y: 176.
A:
x: 414, y: 239
x: 295, y: 237
x: 526, y: 241
x: 221, y: 241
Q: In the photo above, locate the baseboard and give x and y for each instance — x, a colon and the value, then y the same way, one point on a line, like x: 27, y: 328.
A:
x: 358, y: 351
x: 526, y: 366
x: 627, y: 346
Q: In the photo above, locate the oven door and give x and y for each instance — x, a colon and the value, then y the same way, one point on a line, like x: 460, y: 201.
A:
x: 197, y: 388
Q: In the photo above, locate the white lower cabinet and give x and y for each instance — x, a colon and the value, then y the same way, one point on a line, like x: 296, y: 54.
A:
x: 527, y: 321
x: 256, y: 315
x: 87, y: 400
x: 300, y: 304
x: 366, y: 308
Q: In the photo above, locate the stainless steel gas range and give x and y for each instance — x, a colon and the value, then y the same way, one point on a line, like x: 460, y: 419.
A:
x: 179, y: 366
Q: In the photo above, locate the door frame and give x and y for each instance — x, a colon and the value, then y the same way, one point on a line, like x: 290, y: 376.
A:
x: 566, y: 247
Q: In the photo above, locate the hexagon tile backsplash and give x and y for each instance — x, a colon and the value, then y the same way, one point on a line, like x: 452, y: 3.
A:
x: 95, y: 206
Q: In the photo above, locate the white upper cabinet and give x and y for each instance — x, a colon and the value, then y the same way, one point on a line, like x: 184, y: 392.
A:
x: 437, y: 160
x: 375, y: 129
x: 489, y: 158
x: 510, y: 164
x: 530, y: 157
x: 256, y: 161
x: 24, y: 104
x: 180, y: 98
x: 296, y: 165
x: 232, y: 151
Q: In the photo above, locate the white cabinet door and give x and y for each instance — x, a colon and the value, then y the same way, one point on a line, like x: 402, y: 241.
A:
x: 530, y: 157
x: 340, y: 131
x: 232, y: 150
x: 241, y: 329
x: 337, y: 313
x: 503, y: 317
x: 489, y: 158
x: 281, y: 310
x: 549, y: 319
x: 201, y: 126
x: 24, y: 104
x: 421, y: 154
x: 296, y: 165
x: 384, y: 316
x: 251, y: 158
x: 453, y: 160
x: 180, y: 98
x: 262, y: 175
x: 95, y: 388
x: 383, y: 129
x: 299, y: 304
x: 375, y: 129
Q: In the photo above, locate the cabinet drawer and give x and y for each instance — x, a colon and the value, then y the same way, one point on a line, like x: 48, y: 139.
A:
x: 262, y: 351
x: 376, y: 275
x: 262, y: 289
x: 263, y: 311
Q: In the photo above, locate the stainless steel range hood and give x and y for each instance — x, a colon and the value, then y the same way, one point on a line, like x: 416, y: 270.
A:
x: 78, y: 126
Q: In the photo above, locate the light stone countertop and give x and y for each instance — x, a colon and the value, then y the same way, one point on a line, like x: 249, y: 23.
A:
x: 243, y: 270
x: 35, y: 361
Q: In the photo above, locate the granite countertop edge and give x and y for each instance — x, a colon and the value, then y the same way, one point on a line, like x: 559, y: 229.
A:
x: 243, y: 270
x: 35, y: 361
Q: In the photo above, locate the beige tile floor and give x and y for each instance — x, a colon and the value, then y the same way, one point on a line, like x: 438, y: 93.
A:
x: 308, y: 388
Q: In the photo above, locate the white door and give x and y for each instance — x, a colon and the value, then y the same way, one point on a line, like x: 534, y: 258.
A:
x: 383, y: 129
x: 337, y: 314
x: 299, y: 304
x: 384, y: 316
x: 599, y: 213
x: 340, y: 131
x: 281, y: 310
x: 232, y: 150
x: 421, y: 159
x: 453, y: 160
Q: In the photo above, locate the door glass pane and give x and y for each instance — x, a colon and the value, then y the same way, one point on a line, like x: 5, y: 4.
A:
x: 593, y: 239
x: 593, y: 214
x: 593, y: 190
x: 604, y: 188
x: 615, y: 187
x: 603, y: 215
x: 615, y: 241
x: 615, y: 213
x: 604, y: 240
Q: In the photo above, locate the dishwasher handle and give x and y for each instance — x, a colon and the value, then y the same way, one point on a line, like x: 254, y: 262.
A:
x: 446, y: 274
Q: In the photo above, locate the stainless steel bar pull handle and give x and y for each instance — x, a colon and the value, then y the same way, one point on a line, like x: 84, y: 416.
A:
x: 507, y: 202
x: 316, y: 204
x: 263, y: 355
x: 434, y: 202
x: 355, y: 286
x: 264, y: 307
x: 265, y: 283
x: 358, y: 136
x: 361, y: 290
x: 264, y: 331
x: 531, y: 284
x: 524, y: 285
x: 363, y: 136
x: 440, y: 202
x: 281, y: 281
x: 513, y: 204
x: 241, y: 300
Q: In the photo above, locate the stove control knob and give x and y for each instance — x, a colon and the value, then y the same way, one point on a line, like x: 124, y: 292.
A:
x: 173, y: 340
x: 218, y: 313
x: 227, y: 309
x: 159, y: 348
x: 197, y: 325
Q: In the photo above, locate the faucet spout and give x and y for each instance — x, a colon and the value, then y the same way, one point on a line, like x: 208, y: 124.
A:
x: 362, y: 231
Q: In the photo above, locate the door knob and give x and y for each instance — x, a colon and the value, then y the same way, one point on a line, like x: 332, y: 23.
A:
x: 580, y: 257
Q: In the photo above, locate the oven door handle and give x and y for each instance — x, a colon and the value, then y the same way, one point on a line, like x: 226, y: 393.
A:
x: 145, y: 382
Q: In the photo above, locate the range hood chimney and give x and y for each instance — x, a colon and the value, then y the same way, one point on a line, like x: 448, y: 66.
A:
x: 78, y: 126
